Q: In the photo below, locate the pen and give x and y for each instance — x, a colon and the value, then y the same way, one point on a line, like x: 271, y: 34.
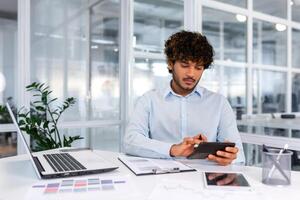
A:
x: 277, y: 160
x: 166, y: 170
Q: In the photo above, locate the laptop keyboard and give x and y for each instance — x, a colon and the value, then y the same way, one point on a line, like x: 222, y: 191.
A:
x: 63, y: 162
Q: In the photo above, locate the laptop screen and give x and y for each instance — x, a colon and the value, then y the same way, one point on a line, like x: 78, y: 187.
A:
x: 20, y: 133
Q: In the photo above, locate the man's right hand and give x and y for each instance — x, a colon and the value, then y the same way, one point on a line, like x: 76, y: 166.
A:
x: 186, y: 147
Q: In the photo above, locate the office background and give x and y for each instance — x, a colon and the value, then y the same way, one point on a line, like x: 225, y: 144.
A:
x: 106, y: 53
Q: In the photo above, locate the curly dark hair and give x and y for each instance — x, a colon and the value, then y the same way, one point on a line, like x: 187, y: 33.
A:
x: 189, y: 46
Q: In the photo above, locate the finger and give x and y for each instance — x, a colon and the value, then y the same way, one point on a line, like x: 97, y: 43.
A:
x: 232, y: 149
x: 214, y: 175
x: 204, y: 138
x: 197, y: 136
x: 200, y: 137
x: 219, y: 160
x: 227, y: 180
x: 187, y: 152
x: 188, y: 140
x: 197, y: 141
x: 225, y: 154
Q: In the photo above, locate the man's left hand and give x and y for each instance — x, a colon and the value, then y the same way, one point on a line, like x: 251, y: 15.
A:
x: 224, y: 157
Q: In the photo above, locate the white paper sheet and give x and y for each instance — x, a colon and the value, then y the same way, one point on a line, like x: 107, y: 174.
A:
x: 142, y: 166
x: 179, y: 190
x: 91, y: 188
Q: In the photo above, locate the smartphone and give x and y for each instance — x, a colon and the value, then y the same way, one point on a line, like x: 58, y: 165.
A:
x: 206, y: 148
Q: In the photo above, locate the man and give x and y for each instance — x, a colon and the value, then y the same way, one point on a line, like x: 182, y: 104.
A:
x: 168, y: 122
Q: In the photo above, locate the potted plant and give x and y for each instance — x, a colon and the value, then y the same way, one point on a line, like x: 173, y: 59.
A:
x: 42, y: 119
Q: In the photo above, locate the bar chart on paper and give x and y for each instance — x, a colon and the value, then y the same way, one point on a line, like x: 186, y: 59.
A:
x: 83, y: 188
x: 178, y: 190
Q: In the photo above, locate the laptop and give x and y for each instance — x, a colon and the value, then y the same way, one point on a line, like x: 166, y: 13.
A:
x: 60, y: 163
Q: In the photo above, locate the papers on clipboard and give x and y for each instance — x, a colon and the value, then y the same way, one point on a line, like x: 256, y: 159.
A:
x: 146, y: 166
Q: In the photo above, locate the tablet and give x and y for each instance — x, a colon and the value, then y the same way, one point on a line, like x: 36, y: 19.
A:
x: 225, y: 180
x: 206, y: 148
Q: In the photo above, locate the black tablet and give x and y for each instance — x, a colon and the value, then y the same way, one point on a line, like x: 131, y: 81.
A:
x: 232, y: 180
x: 206, y: 148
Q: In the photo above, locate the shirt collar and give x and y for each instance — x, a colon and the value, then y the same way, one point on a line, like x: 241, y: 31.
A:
x: 198, y: 90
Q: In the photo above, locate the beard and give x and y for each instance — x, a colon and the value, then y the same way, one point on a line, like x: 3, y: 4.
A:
x: 185, y: 85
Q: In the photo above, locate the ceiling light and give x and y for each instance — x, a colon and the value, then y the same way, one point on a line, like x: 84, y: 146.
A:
x: 280, y: 27
x: 240, y: 18
x: 292, y: 3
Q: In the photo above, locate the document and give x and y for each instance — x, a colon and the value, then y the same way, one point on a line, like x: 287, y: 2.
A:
x: 178, y: 190
x: 84, y: 188
x: 145, y: 166
x: 182, y: 189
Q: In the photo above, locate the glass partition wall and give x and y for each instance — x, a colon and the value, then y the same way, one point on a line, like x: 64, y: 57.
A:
x: 8, y: 69
x: 75, y: 48
x: 256, y: 52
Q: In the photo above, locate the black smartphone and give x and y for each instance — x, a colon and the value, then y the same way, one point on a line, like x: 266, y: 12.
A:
x: 206, y: 148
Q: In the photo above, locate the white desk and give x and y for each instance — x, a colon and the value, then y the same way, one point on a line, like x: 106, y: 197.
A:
x: 17, y: 176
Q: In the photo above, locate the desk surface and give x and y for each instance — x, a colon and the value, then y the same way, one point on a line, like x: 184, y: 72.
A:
x: 17, y: 176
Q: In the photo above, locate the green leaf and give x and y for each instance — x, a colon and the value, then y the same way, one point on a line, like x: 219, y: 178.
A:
x: 40, y: 86
x: 40, y: 108
x: 52, y: 100
x: 41, y: 122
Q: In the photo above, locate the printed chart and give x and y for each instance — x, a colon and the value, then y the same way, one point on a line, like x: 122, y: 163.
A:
x: 83, y: 188
x: 178, y: 190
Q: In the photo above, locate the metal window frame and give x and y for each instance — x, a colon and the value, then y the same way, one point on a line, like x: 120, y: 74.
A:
x: 23, y: 72
x: 192, y: 21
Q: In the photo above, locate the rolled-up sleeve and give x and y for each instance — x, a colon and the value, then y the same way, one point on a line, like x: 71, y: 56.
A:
x: 227, y: 130
x: 137, y: 139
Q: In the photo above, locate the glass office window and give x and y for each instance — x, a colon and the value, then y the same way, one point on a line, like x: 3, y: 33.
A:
x: 253, y: 156
x: 276, y: 8
x: 107, y: 138
x: 102, y: 138
x: 8, y: 144
x: 269, y: 43
x: 8, y: 64
x: 74, y: 49
x: 149, y: 74
x: 154, y: 22
x: 210, y: 78
x: 227, y: 33
x: 296, y: 92
x: 240, y: 3
x: 234, y: 88
x: 269, y: 91
x: 8, y: 67
x: 296, y: 48
x: 230, y: 82
x: 295, y: 10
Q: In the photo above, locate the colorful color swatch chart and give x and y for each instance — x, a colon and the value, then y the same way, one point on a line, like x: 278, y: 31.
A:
x: 83, y: 188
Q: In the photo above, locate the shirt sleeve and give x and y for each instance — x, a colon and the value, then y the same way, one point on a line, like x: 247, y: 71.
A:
x: 137, y: 139
x: 227, y: 130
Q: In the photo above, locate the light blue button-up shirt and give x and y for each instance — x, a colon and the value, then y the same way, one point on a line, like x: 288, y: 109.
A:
x: 162, y: 118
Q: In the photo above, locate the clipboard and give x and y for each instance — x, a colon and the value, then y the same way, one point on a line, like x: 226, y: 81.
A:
x: 150, y: 166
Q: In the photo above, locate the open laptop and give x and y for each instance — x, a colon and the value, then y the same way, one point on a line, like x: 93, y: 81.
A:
x: 56, y: 163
